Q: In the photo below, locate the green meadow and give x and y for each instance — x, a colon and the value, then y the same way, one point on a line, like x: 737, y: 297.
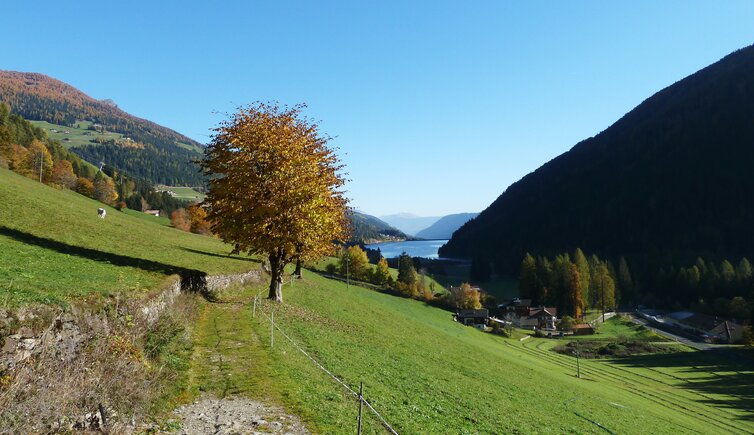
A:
x: 76, y: 135
x: 185, y: 193
x: 427, y: 374
x: 53, y: 247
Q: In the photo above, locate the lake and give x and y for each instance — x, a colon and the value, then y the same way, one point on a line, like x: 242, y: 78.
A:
x: 415, y: 248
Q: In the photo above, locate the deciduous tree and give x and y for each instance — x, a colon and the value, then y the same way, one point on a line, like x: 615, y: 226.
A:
x: 63, y: 175
x: 104, y: 189
x: 605, y: 286
x: 275, y: 187
x: 354, y: 261
x: 85, y: 187
x: 406, y: 271
x: 465, y: 297
x: 382, y: 272
x: 37, y: 162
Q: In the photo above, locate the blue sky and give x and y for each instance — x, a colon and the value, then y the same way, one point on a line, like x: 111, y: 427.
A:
x: 436, y: 106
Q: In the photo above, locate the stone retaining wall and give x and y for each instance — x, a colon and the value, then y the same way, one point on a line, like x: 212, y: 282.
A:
x: 71, y: 327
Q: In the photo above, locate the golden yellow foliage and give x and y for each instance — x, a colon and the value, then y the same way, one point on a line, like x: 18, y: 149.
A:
x: 275, y: 187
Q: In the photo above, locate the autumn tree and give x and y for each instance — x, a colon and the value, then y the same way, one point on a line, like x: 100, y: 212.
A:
x: 465, y: 297
x: 582, y: 265
x: 180, y: 220
x: 37, y: 162
x: 604, y: 286
x: 573, y: 295
x: 198, y: 222
x: 85, y: 187
x: 104, y: 189
x: 354, y: 262
x: 275, y: 187
x: 63, y: 175
x: 382, y: 272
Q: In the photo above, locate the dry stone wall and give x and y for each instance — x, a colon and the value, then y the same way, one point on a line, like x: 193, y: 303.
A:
x: 29, y: 331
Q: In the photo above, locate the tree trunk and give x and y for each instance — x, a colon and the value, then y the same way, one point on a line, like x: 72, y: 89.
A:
x: 297, y: 272
x: 276, y: 280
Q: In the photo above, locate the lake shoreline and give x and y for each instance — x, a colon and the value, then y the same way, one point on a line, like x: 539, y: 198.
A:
x: 416, y: 248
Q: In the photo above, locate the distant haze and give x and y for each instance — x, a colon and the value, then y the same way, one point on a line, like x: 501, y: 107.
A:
x: 410, y: 223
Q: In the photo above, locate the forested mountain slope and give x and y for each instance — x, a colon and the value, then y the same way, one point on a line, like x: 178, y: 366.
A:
x: 446, y: 226
x: 670, y: 181
x: 368, y: 229
x: 157, y: 153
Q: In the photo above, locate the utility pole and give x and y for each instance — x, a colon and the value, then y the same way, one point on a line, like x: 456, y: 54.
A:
x: 348, y: 276
x: 41, y: 162
x: 578, y: 367
x: 602, y: 296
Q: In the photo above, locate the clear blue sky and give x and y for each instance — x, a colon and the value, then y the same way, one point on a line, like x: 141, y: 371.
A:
x: 437, y: 106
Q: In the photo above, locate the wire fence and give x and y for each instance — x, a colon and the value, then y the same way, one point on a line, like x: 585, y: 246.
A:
x: 359, y: 395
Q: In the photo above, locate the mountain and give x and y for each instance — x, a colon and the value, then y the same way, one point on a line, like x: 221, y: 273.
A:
x: 147, y: 150
x: 409, y: 223
x: 369, y: 229
x: 446, y: 226
x: 669, y: 181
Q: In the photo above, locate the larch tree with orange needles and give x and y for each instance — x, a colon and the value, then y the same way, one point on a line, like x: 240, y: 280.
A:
x: 275, y: 187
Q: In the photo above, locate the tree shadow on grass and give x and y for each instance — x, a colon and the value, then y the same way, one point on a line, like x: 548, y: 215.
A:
x: 192, y: 280
x: 727, y: 375
x: 212, y: 254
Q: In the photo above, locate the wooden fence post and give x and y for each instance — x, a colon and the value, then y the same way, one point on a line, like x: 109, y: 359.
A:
x: 361, y: 403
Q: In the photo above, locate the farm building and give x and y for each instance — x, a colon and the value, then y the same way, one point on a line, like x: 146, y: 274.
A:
x: 477, y: 318
x: 520, y: 307
x: 153, y: 212
x: 533, y: 317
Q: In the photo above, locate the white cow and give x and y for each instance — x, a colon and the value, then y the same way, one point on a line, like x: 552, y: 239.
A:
x: 101, y: 213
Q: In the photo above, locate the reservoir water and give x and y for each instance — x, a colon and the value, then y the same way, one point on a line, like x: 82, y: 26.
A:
x: 415, y: 248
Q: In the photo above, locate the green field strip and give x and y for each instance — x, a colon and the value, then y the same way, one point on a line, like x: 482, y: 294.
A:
x: 635, y: 385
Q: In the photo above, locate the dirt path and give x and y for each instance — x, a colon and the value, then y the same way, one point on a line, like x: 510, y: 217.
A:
x: 231, y: 368
x: 236, y: 415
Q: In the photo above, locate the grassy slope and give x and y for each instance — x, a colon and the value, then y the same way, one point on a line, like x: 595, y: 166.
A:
x: 77, y: 135
x: 428, y: 374
x: 54, y: 247
x: 185, y: 193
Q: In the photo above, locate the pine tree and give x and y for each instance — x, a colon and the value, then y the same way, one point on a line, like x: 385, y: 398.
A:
x: 406, y: 272
x: 727, y: 272
x: 625, y: 281
x: 575, y: 302
x: 527, y: 284
x: 743, y: 270
x: 545, y: 278
x: 480, y: 269
x: 605, y: 287
x: 582, y: 265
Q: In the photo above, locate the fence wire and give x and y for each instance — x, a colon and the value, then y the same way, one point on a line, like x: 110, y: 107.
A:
x: 338, y: 380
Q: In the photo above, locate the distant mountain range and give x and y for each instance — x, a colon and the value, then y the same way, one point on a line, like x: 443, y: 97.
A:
x: 445, y: 226
x: 428, y: 227
x: 410, y: 223
x: 153, y: 152
x: 370, y: 229
x: 670, y: 181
